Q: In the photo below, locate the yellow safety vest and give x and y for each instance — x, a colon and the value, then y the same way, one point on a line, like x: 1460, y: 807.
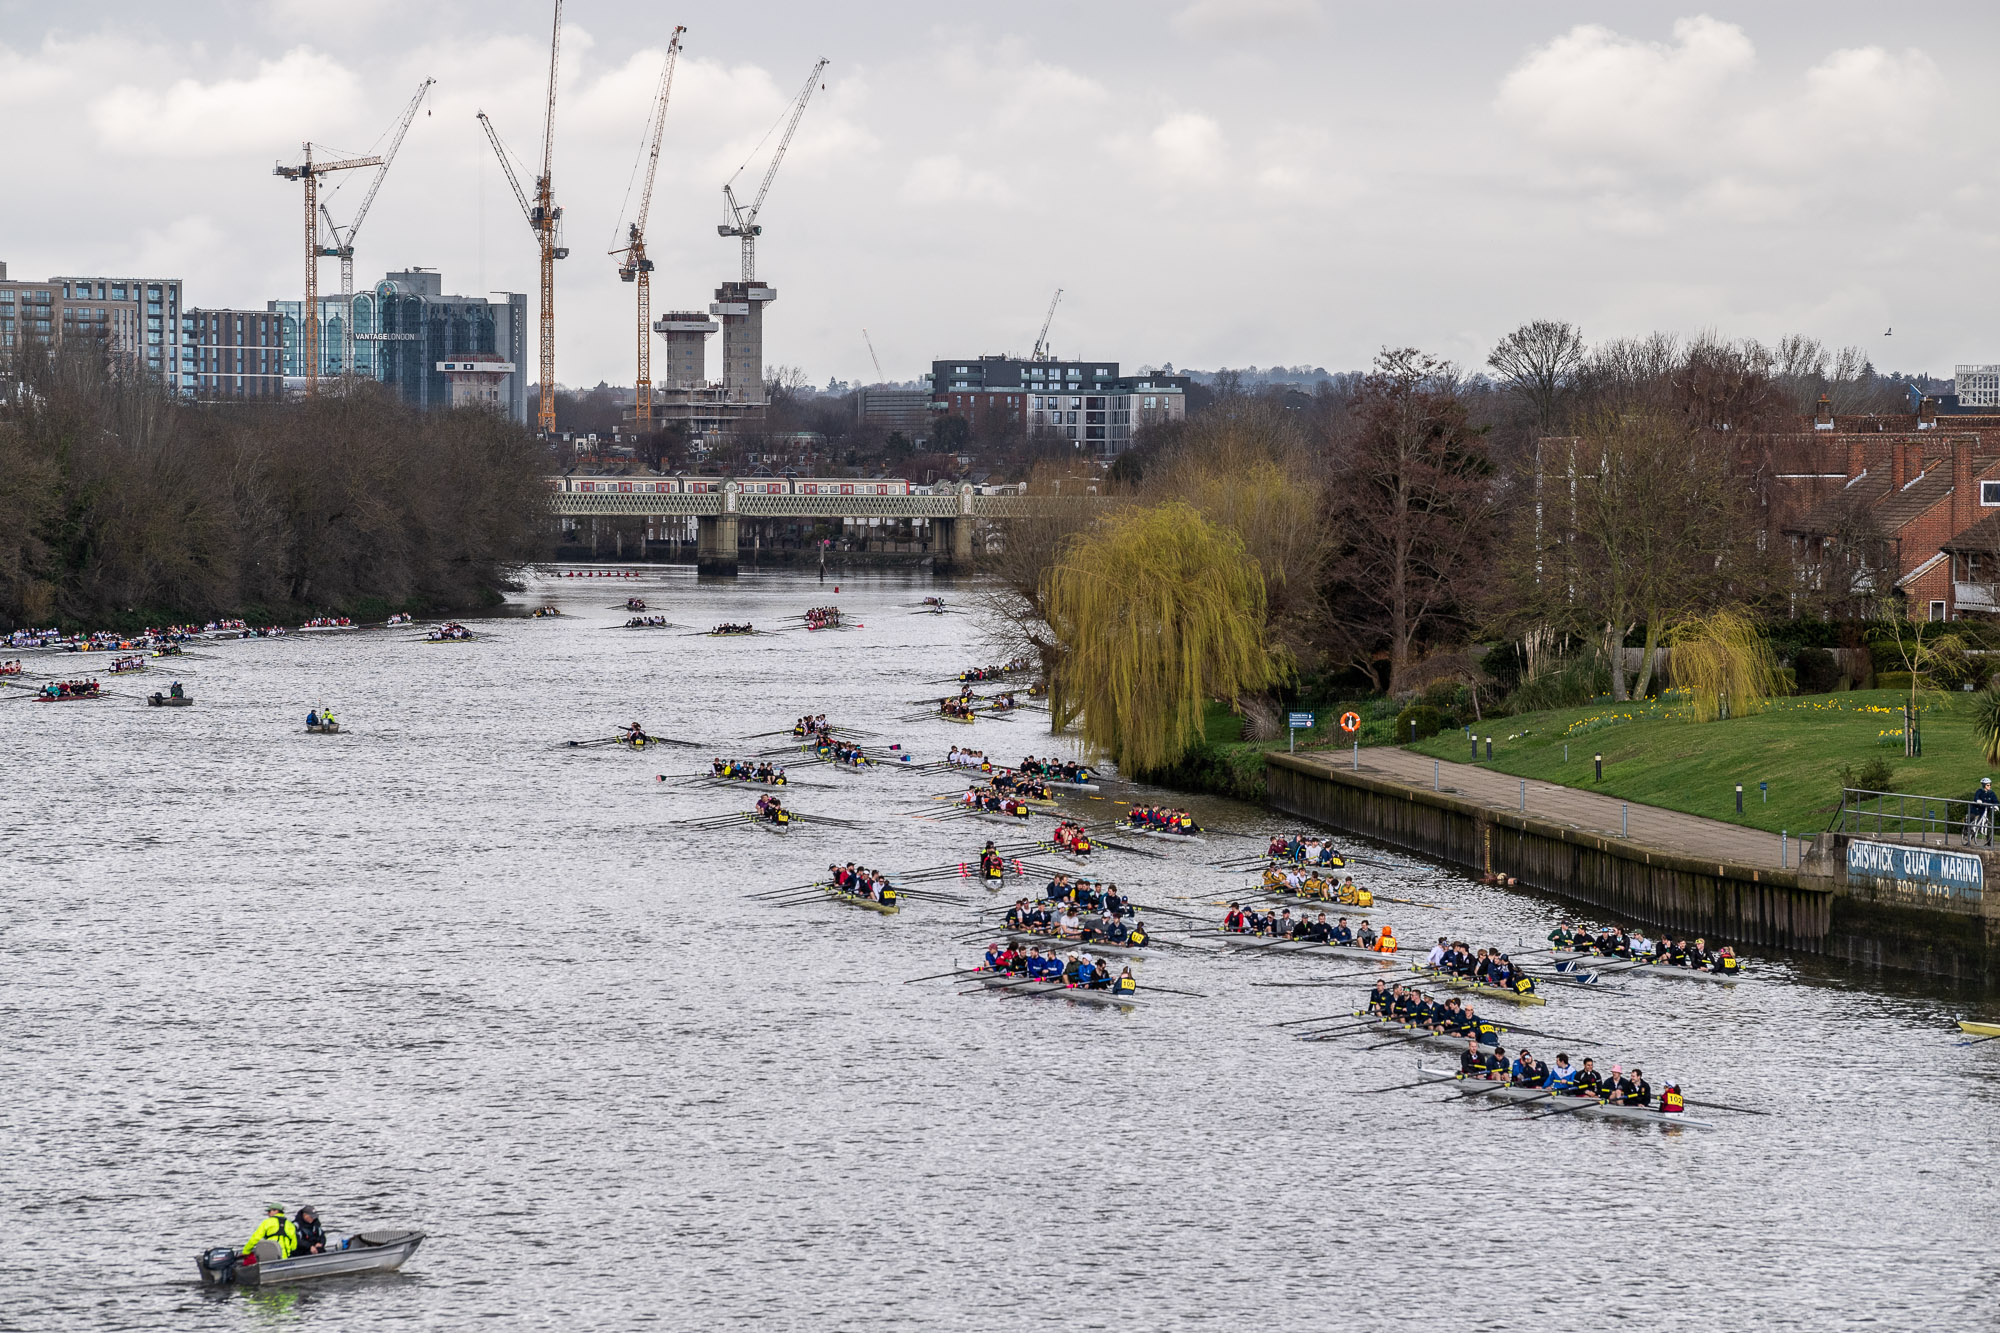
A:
x: 274, y: 1228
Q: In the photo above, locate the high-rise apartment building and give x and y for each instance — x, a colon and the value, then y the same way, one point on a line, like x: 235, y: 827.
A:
x: 234, y: 353
x: 56, y: 310
x: 156, y: 342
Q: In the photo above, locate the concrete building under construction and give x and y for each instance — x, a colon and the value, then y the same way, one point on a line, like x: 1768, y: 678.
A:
x: 684, y: 395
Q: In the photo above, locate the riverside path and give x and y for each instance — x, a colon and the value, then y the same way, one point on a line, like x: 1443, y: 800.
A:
x: 1588, y: 811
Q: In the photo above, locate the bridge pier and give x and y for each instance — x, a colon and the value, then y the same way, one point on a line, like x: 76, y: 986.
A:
x: 951, y: 546
x: 715, y: 546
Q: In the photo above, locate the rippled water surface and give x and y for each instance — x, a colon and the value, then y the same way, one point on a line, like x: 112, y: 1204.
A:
x: 443, y: 970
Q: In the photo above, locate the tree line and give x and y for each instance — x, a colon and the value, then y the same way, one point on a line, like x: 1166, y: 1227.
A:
x: 122, y: 504
x: 1568, y: 499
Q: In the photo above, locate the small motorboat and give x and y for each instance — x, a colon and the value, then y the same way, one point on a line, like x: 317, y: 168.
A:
x: 158, y: 700
x: 365, y: 1252
x: 324, y: 728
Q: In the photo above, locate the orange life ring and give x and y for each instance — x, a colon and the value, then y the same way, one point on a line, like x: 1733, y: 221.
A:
x: 1350, y: 721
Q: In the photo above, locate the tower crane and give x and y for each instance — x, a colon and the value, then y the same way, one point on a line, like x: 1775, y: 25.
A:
x: 545, y: 221
x: 343, y: 237
x: 879, y: 376
x: 633, y: 265
x: 744, y: 221
x: 309, y: 172
x: 1041, y: 352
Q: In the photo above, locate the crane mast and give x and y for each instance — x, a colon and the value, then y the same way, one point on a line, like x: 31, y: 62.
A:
x: 308, y: 173
x: 343, y: 238
x: 744, y: 221
x: 879, y: 377
x: 635, y: 267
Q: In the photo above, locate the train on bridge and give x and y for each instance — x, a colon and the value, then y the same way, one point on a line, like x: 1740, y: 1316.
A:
x: 832, y: 486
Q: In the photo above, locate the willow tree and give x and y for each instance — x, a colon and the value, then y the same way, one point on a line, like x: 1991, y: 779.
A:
x: 1159, y: 610
x: 1724, y: 664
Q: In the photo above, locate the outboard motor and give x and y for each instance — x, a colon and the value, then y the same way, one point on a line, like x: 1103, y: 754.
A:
x: 218, y: 1266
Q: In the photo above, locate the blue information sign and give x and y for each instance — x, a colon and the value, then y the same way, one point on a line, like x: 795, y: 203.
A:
x: 1302, y: 721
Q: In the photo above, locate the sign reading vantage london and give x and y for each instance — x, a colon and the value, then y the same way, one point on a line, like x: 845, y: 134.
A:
x: 1924, y: 870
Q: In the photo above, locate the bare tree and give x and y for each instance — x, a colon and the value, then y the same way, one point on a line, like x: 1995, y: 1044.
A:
x: 1413, y: 509
x: 1538, y: 364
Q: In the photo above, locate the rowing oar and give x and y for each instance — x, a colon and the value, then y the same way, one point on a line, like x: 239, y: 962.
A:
x: 1404, y: 1041
x: 1565, y: 1110
x: 1740, y: 1110
x: 1491, y: 1085
x: 1316, y: 1018
x: 959, y: 972
x: 1976, y: 1040
x: 1420, y: 1083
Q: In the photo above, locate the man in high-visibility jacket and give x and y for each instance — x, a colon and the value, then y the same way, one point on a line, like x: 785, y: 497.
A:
x: 274, y: 1227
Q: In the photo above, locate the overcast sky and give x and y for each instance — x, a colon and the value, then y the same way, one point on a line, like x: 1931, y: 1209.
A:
x: 1240, y: 182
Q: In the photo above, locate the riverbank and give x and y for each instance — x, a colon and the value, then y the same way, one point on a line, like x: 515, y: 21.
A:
x: 1792, y: 758
x: 1661, y: 868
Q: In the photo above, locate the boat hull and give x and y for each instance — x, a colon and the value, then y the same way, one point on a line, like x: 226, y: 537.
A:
x: 370, y: 1252
x: 168, y: 701
x: 1271, y: 944
x: 1029, y: 937
x: 1161, y: 833
x: 1103, y: 999
x: 1478, y: 988
x: 856, y: 900
x: 1978, y: 1029
x: 1579, y: 1105
x: 1614, y: 966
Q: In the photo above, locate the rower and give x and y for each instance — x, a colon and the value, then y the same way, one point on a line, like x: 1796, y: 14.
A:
x: 1470, y: 1063
x: 1638, y: 1092
x: 1435, y: 958
x: 1589, y: 1083
x: 1364, y: 936
x: 1381, y: 998
x: 1341, y: 934
x: 1562, y: 1077
x: 994, y: 954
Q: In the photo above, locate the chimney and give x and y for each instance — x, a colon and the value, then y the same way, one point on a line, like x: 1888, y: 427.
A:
x: 1964, y: 503
x: 1857, y: 457
x: 1899, y: 465
x: 1926, y: 412
x: 1823, y: 418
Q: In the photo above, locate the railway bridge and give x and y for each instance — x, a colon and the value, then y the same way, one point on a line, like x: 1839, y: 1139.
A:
x: 719, y: 506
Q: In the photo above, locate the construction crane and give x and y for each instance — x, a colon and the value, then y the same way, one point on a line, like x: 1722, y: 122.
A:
x: 745, y: 220
x: 545, y: 221
x: 1041, y: 352
x: 879, y: 376
x: 634, y: 266
x: 343, y: 237
x: 309, y: 172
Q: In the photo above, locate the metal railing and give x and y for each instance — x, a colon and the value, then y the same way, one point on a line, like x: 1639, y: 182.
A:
x: 1936, y: 821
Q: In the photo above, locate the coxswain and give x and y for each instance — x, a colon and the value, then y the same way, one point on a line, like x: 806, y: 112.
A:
x: 1138, y: 937
x: 1671, y: 1101
x: 1386, y: 941
x: 887, y: 897
x: 1127, y: 983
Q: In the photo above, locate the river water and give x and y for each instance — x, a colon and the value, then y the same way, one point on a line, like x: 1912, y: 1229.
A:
x: 444, y: 970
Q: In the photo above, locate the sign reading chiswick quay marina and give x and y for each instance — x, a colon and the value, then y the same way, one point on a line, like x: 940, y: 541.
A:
x: 1921, y: 871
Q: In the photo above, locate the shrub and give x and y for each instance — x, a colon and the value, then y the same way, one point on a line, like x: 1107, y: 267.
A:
x: 1418, y: 722
x: 1818, y: 671
x: 1571, y: 683
x: 1893, y: 680
x: 1875, y: 775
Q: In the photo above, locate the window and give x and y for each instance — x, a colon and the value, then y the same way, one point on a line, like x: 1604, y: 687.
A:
x: 1152, y: 402
x: 1937, y: 610
x: 1989, y: 493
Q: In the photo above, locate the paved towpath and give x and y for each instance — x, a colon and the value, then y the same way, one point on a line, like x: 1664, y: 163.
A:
x: 1589, y: 811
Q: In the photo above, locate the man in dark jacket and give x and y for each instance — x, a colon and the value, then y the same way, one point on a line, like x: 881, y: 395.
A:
x: 312, y: 1239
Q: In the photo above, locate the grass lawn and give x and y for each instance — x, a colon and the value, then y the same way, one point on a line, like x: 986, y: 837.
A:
x: 1797, y: 745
